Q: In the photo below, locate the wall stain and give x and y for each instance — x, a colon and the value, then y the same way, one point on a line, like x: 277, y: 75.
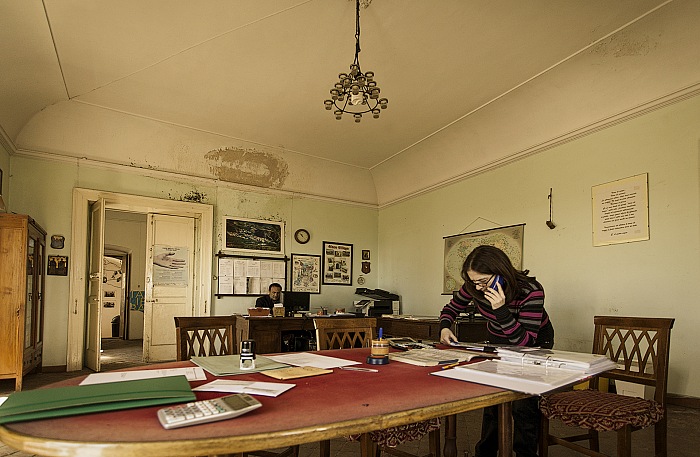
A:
x: 623, y: 45
x: 248, y: 166
x: 193, y: 196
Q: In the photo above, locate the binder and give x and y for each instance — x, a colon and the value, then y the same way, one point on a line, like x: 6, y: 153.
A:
x: 112, y: 396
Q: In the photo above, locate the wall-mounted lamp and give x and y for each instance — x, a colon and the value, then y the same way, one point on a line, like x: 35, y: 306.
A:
x: 549, y: 223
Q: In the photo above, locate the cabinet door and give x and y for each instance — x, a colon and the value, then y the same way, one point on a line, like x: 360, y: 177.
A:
x: 31, y: 293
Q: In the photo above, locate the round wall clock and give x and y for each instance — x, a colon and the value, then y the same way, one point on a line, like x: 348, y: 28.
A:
x: 302, y: 236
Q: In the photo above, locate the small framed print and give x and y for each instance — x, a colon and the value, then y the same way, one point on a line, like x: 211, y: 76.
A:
x: 365, y: 254
x: 337, y: 263
x: 57, y: 265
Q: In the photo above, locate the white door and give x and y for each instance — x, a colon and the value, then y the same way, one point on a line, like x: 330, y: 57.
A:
x: 93, y: 338
x: 170, y: 267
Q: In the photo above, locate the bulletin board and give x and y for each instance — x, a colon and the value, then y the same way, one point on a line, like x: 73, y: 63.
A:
x: 247, y: 276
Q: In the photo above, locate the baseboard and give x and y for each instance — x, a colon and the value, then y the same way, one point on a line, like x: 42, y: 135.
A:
x: 682, y: 400
x: 54, y: 369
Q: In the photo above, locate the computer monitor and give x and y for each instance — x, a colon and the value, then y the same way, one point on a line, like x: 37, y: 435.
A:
x: 296, y: 301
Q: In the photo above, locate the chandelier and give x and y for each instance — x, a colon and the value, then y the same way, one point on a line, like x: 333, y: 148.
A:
x: 356, y: 93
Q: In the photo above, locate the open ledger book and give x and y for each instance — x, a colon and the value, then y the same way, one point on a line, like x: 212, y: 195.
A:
x: 430, y: 357
x: 531, y: 374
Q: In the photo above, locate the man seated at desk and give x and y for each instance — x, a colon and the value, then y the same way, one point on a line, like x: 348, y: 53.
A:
x: 268, y: 301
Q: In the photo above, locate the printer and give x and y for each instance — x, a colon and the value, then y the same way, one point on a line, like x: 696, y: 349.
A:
x: 376, y: 302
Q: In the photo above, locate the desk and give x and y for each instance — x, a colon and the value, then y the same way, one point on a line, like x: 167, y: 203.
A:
x: 298, y: 416
x: 268, y: 332
x: 425, y: 328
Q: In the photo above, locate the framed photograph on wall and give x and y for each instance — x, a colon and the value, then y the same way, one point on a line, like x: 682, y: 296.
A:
x: 253, y: 236
x: 337, y: 263
x: 306, y: 273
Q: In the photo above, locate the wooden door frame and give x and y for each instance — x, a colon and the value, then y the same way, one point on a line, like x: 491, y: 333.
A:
x: 204, y: 217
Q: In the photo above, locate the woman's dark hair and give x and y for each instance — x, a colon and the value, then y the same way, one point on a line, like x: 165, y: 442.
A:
x: 490, y: 260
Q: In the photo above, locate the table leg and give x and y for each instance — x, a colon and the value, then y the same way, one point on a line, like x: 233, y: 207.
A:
x: 367, y: 446
x: 450, y: 449
x: 505, y: 429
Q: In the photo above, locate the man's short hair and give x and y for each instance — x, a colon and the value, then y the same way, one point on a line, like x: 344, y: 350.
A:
x: 274, y: 284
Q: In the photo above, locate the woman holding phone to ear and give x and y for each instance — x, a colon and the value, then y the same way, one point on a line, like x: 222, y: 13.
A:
x: 513, y: 305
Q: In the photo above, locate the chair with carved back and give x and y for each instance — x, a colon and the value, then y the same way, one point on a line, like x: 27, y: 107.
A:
x: 336, y: 333
x: 211, y: 336
x: 640, y: 347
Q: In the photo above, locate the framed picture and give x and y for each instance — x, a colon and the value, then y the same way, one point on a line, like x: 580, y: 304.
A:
x: 253, y: 236
x: 457, y: 248
x: 306, y: 273
x: 57, y: 265
x: 337, y: 263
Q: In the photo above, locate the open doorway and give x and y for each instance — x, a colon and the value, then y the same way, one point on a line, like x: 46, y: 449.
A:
x: 201, y: 214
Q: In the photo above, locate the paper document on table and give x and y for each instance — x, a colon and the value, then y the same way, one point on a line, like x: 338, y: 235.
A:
x: 191, y: 373
x: 295, y: 372
x: 269, y: 389
x: 225, y: 365
x: 307, y: 359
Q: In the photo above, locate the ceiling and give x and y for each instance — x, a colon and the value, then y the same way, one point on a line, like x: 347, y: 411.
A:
x: 258, y: 71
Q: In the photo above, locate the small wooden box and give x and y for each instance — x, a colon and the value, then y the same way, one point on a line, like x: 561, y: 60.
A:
x: 258, y: 311
x: 278, y: 311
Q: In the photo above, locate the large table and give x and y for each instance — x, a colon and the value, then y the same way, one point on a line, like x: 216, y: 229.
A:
x: 318, y: 408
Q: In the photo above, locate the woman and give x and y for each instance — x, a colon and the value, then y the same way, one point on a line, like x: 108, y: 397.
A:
x: 513, y: 304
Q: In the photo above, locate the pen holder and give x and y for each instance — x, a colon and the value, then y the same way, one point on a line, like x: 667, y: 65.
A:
x: 379, y: 352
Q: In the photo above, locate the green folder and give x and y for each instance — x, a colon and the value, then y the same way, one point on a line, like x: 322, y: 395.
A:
x: 111, y: 396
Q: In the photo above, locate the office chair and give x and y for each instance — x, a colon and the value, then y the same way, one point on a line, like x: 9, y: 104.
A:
x: 210, y: 336
x: 640, y: 346
x: 352, y: 333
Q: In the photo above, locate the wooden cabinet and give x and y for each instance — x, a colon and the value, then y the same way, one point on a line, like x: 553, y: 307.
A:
x: 22, y: 270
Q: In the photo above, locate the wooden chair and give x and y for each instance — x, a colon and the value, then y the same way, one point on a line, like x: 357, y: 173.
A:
x: 209, y: 336
x: 640, y: 346
x: 347, y: 333
x: 204, y: 336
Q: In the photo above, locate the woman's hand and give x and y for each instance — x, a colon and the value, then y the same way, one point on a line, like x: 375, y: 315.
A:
x: 497, y: 297
x: 447, y: 337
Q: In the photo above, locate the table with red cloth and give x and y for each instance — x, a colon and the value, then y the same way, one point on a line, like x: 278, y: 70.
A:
x: 318, y: 408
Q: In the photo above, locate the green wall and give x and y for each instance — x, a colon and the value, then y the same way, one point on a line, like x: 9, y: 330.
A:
x: 648, y: 278
x: 43, y: 189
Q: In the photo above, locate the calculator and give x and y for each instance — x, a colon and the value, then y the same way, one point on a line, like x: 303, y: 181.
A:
x: 203, y: 411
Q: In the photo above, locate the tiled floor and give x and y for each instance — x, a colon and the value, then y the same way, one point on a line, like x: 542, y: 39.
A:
x: 683, y: 436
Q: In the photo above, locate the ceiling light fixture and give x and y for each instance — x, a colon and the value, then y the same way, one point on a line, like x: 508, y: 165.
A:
x: 356, y: 93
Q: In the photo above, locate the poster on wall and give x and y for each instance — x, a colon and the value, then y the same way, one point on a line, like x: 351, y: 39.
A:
x: 457, y: 247
x: 337, y: 263
x: 306, y: 273
x: 170, y: 266
x: 621, y: 211
x: 253, y: 236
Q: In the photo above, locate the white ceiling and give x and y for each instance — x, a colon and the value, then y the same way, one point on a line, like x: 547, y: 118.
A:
x: 259, y: 70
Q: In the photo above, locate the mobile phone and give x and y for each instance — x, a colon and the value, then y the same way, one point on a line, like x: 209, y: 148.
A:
x: 498, y: 279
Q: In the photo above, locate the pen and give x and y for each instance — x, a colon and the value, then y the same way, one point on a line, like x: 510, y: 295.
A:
x: 450, y: 365
x: 372, y: 370
x: 444, y: 362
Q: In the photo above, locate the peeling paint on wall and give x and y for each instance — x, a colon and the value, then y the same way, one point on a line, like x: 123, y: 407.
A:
x: 247, y: 166
x: 623, y: 45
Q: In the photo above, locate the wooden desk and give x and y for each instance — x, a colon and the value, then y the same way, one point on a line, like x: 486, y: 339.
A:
x: 469, y: 331
x: 318, y: 408
x: 268, y: 332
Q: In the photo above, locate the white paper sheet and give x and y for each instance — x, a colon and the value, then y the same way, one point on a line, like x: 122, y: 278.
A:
x: 306, y: 359
x: 269, y: 389
x: 192, y: 374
